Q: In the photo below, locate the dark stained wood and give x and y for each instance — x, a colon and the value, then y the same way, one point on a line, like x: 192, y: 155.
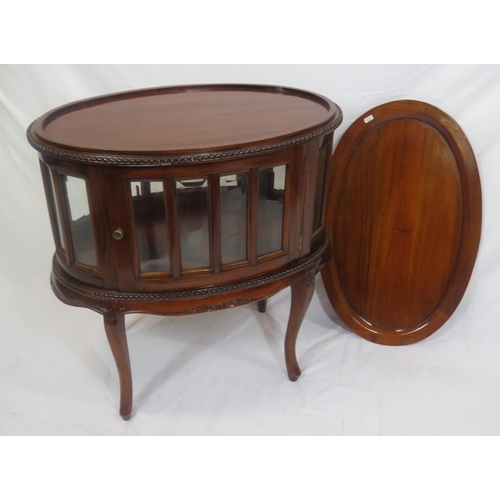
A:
x: 174, y: 134
x: 114, y: 326
x: 405, y: 216
x: 321, y: 200
x: 173, y: 229
x: 98, y: 205
x: 302, y: 292
x: 119, y: 215
x: 311, y: 164
x: 184, y: 119
x: 294, y: 202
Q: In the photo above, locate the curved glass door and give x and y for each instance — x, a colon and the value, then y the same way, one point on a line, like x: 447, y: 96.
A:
x: 212, y: 223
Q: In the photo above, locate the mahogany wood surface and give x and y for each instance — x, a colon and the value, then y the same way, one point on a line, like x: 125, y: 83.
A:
x: 114, y: 326
x: 302, y: 292
x: 186, y: 136
x: 404, y: 213
x: 184, y: 119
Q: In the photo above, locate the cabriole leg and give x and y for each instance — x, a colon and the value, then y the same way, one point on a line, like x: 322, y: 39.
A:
x: 302, y: 292
x: 115, y: 331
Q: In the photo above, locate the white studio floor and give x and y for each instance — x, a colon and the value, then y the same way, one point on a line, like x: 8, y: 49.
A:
x: 223, y: 373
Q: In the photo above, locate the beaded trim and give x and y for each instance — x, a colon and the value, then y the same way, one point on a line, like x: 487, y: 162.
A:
x: 163, y: 160
x: 198, y: 293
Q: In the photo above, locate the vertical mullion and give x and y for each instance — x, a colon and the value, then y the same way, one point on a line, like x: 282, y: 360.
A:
x: 172, y: 227
x: 294, y: 203
x: 134, y: 247
x: 286, y: 226
x: 252, y: 215
x: 62, y: 203
x: 215, y: 222
x: 328, y: 160
x: 98, y: 222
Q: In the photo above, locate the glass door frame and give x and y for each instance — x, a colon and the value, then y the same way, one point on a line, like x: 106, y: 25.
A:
x: 118, y: 189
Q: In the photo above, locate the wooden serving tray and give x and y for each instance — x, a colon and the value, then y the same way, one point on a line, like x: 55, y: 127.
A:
x: 404, y: 214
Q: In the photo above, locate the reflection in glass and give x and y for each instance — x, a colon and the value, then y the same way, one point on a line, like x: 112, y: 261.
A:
x: 57, y: 215
x: 194, y: 228
x: 318, y: 200
x: 271, y: 201
x: 233, y: 211
x: 81, y: 225
x: 148, y: 204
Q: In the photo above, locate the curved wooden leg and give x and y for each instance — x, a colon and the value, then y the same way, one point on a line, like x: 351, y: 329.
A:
x: 115, y: 331
x: 261, y: 304
x: 302, y: 292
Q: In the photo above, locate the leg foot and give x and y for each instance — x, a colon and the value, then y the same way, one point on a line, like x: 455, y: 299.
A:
x: 115, y: 331
x: 302, y: 292
x: 261, y: 304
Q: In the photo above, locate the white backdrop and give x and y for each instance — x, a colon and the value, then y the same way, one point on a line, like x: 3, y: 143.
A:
x: 223, y: 373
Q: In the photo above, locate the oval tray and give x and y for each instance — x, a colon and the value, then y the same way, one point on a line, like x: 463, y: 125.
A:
x: 192, y: 122
x: 404, y: 214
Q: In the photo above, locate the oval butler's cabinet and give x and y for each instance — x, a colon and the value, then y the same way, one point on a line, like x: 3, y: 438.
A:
x: 181, y: 200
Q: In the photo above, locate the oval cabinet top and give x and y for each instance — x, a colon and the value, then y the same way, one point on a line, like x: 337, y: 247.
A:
x: 185, y: 120
x: 404, y: 213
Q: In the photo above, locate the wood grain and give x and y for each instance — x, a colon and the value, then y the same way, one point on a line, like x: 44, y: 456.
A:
x: 184, y: 119
x: 405, y: 217
x: 155, y: 136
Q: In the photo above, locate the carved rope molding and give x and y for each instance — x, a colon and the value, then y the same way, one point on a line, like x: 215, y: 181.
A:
x: 165, y: 160
x: 116, y: 295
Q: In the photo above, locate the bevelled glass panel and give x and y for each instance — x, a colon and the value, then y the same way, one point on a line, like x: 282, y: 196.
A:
x: 82, y: 235
x: 271, y: 204
x: 193, y: 223
x: 233, y: 212
x: 150, y: 223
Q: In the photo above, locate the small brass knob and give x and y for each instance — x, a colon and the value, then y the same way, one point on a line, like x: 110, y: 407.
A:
x: 118, y: 234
